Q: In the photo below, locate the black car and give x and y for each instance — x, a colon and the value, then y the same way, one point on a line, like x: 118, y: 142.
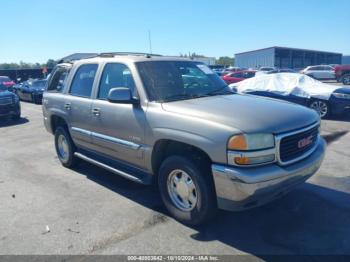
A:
x: 31, y: 90
x: 9, y: 104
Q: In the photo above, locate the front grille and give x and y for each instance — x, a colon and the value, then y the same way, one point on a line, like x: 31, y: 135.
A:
x: 6, y: 100
x: 294, y: 146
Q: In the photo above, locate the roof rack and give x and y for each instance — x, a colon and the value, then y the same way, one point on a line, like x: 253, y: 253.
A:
x: 110, y: 54
x: 80, y: 56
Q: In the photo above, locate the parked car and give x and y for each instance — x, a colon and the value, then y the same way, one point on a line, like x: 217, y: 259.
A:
x: 281, y: 70
x: 238, y: 76
x: 7, y: 82
x: 264, y: 70
x: 31, y: 90
x: 232, y: 69
x: 204, y: 146
x: 9, y: 104
x: 325, y: 99
x: 342, y: 73
x: 322, y: 72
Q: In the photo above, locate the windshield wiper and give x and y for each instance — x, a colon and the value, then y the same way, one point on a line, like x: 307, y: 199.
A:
x: 183, y: 97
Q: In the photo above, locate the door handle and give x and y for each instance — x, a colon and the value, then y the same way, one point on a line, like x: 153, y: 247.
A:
x: 67, y: 106
x: 96, y: 111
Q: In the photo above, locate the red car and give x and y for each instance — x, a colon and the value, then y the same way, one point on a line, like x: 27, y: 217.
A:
x: 6, y: 81
x: 342, y: 73
x: 238, y: 76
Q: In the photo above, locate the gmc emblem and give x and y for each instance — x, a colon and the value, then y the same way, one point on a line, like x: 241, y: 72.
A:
x: 305, y: 142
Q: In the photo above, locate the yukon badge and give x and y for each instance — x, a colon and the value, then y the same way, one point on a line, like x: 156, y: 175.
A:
x: 305, y: 142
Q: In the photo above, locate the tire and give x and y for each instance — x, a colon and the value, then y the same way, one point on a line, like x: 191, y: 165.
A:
x: 36, y: 101
x: 346, y: 79
x: 321, y: 107
x: 65, y: 148
x: 202, y: 198
x: 16, y: 117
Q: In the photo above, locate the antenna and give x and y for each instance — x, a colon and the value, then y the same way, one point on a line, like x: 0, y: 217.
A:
x: 150, y: 41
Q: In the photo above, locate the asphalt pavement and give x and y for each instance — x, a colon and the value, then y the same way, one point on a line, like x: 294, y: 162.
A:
x: 48, y: 209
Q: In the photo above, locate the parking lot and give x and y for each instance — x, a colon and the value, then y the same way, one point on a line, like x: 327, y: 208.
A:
x: 48, y: 209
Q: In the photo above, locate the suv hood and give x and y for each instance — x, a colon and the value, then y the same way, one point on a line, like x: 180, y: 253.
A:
x: 250, y: 114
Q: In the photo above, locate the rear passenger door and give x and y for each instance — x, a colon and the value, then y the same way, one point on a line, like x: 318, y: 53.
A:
x: 78, y: 104
x: 118, y: 129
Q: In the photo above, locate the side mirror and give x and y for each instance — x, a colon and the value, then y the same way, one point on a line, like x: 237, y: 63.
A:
x: 121, y: 95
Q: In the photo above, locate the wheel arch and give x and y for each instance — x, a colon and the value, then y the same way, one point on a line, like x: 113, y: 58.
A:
x: 164, y: 148
x: 57, y: 121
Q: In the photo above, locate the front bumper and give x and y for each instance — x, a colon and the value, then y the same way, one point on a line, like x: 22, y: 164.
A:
x: 340, y: 106
x: 10, y: 110
x: 244, y: 188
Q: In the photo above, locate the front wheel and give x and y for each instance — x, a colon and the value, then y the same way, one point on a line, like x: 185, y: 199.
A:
x: 321, y: 107
x: 16, y: 117
x: 65, y: 148
x: 187, y: 190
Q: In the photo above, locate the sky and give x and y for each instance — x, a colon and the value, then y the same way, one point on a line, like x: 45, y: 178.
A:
x: 36, y: 30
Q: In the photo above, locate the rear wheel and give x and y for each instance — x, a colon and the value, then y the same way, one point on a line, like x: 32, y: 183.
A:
x: 346, y: 79
x: 65, y: 148
x: 187, y: 190
x: 321, y: 107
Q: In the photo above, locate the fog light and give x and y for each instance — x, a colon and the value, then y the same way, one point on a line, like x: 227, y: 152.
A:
x: 254, y: 160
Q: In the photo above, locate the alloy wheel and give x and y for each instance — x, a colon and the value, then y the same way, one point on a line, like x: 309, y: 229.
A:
x: 320, y: 107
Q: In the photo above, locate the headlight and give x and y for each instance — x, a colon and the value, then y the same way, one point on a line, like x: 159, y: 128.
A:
x: 249, y: 142
x: 252, y: 149
x: 340, y: 95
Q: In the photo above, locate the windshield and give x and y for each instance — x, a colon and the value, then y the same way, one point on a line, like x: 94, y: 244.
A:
x: 38, y: 84
x: 167, y: 81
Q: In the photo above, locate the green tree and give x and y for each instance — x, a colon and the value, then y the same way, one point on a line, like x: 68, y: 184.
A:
x: 51, y: 63
x: 225, y: 61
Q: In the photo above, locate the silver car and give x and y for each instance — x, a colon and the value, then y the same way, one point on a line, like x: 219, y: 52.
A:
x: 174, y: 122
x: 322, y: 72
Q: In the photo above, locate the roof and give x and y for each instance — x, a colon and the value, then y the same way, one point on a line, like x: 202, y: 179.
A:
x: 297, y: 49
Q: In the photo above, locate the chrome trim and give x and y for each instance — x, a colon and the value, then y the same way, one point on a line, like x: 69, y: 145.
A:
x: 81, y: 131
x: 278, y: 139
x: 232, y: 154
x: 109, y: 168
x: 242, y: 188
x: 107, y: 138
x: 116, y: 141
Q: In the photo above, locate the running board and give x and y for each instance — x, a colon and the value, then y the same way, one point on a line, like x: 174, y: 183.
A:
x: 109, y: 168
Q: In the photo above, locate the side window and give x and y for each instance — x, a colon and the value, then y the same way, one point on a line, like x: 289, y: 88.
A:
x: 237, y: 75
x: 115, y: 75
x: 58, y: 80
x: 83, y: 80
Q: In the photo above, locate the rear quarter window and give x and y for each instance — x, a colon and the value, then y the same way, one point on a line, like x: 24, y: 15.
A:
x: 83, y: 80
